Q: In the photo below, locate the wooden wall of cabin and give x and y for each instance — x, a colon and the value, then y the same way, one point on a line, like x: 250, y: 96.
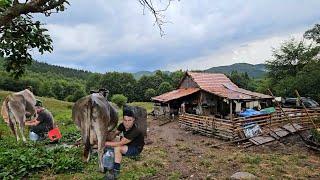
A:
x: 188, y: 83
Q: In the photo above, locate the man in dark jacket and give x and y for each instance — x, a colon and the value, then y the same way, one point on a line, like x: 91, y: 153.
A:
x: 43, y: 123
x: 132, y: 142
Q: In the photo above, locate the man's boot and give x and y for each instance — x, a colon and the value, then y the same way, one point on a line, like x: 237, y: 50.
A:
x: 116, y: 173
x: 109, y: 175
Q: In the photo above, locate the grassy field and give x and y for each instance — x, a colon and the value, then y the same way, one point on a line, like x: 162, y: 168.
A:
x: 43, y: 160
x: 174, y: 154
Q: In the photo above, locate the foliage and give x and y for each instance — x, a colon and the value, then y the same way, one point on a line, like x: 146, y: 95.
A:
x: 164, y: 87
x: 242, y: 80
x: 119, y: 99
x: 313, y: 34
x: 20, y: 33
x: 150, y: 93
x: 22, y: 160
x: 119, y: 83
x: 16, y: 41
x: 296, y: 65
x: 50, y: 84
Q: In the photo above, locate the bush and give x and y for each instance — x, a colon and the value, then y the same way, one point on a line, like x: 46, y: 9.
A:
x: 149, y: 94
x: 69, y: 98
x: 119, y: 99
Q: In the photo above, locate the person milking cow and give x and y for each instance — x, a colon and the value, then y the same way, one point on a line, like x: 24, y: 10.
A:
x: 131, y: 143
x: 42, y: 124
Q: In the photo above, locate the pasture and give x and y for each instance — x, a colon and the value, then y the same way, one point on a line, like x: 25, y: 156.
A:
x: 173, y: 154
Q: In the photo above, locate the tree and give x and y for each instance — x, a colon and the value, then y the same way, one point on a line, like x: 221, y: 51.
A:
x: 240, y: 79
x: 119, y: 83
x: 313, y: 34
x: 149, y: 94
x: 176, y: 78
x: 296, y: 65
x: 20, y: 33
x: 164, y: 87
x: 146, y: 82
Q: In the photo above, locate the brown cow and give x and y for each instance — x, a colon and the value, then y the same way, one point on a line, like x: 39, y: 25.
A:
x: 95, y: 117
x: 14, y: 109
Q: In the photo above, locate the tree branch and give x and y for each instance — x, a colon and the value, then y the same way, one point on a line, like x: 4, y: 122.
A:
x: 33, y: 6
x: 157, y: 13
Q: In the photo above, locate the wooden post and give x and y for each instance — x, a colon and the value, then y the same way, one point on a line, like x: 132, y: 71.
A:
x: 305, y: 109
x: 231, y: 117
x: 230, y: 102
x: 285, y: 114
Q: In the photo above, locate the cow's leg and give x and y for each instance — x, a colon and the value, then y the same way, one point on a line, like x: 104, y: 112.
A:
x: 101, y: 136
x: 16, y: 130
x: 13, y: 126
x: 21, y: 127
x: 19, y: 117
x: 86, y: 142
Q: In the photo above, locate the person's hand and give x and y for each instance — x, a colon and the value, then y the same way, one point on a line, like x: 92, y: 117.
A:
x: 111, y: 135
x: 107, y: 144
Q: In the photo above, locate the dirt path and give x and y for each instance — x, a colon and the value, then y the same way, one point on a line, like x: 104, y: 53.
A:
x: 184, y: 150
x: 190, y: 157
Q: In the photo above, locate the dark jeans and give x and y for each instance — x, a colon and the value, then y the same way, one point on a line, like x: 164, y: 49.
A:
x: 132, y: 151
x: 40, y: 130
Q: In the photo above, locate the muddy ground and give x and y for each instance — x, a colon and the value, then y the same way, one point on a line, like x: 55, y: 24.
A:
x: 189, y: 156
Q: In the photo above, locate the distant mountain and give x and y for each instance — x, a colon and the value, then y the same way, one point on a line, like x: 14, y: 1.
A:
x: 255, y: 71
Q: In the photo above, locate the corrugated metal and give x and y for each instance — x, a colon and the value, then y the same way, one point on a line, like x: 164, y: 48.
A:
x: 175, y: 94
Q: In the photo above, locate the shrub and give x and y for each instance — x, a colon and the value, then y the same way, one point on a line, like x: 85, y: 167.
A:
x: 119, y: 99
x: 149, y: 94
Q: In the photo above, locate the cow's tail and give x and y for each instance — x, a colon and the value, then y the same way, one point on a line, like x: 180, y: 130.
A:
x: 87, y: 130
x: 5, y: 110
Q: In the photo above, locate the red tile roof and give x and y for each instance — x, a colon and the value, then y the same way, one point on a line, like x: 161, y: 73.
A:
x: 214, y: 83
x: 175, y: 94
x: 221, y: 85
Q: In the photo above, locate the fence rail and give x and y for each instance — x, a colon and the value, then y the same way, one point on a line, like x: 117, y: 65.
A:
x: 232, y: 130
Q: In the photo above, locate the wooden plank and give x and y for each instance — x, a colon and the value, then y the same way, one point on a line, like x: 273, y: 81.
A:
x: 281, y: 132
x: 292, y: 129
x: 253, y: 141
x: 261, y: 140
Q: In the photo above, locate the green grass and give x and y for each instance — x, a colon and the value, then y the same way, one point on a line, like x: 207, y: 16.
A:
x: 20, y: 159
x: 35, y: 160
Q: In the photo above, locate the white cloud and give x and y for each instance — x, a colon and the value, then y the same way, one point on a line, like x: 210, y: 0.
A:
x: 253, y: 52
x: 207, y: 33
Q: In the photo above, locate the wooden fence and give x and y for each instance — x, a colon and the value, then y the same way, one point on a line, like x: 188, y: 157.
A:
x: 233, y: 129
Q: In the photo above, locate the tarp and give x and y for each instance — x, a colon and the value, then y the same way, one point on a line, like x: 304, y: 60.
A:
x: 252, y: 112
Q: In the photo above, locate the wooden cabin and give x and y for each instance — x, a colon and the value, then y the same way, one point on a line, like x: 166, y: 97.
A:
x: 208, y: 94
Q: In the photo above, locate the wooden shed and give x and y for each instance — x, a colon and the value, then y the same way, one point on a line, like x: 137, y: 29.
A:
x: 208, y: 94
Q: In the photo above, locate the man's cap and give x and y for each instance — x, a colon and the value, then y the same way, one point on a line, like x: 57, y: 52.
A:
x: 127, y: 112
x: 38, y: 103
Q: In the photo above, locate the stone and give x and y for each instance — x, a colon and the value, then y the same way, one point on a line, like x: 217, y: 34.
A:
x: 243, y: 175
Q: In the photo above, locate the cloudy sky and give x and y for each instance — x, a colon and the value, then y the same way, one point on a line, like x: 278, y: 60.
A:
x: 113, y: 35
